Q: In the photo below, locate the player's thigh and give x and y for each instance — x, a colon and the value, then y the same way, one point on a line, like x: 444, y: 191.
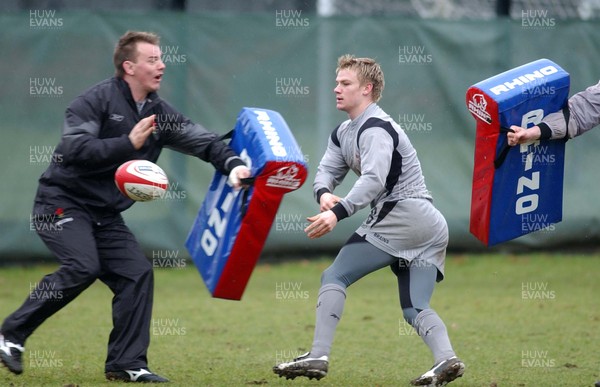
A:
x: 416, y: 281
x: 68, y: 233
x: 356, y: 259
x: 120, y: 253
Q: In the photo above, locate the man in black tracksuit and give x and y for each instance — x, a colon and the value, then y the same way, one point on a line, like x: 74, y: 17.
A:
x: 77, y: 207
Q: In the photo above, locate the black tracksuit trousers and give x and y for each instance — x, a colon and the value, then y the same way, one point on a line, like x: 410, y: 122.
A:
x: 91, y: 247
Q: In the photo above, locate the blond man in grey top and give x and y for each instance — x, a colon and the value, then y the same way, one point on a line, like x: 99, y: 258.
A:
x: 403, y: 230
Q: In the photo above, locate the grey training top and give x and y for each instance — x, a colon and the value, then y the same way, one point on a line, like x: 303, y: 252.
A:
x: 584, y: 114
x: 403, y: 221
x: 375, y: 148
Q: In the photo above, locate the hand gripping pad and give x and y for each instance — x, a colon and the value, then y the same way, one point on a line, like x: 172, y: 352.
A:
x: 231, y: 228
x: 516, y: 190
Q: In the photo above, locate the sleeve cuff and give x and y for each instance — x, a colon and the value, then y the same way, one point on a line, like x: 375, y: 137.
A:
x: 339, y: 211
x: 320, y: 193
x: 545, y: 131
x: 234, y: 162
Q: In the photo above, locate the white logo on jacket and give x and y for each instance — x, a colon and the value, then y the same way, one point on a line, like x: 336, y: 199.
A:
x: 116, y: 117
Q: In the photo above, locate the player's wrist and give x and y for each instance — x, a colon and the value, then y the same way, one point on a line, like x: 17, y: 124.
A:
x: 339, y: 211
x: 234, y: 162
x: 543, y: 130
x: 320, y: 193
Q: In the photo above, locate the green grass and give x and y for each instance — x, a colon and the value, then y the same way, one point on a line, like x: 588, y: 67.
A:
x: 504, y: 337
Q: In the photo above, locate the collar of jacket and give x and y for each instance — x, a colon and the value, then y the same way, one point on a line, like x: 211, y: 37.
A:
x: 123, y: 86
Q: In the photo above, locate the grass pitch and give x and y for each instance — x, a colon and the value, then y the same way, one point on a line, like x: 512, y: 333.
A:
x: 528, y: 320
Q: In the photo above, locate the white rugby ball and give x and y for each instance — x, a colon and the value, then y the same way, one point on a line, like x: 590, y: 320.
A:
x: 141, y: 180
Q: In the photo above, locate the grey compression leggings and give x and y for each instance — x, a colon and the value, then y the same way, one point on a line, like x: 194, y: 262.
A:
x: 416, y: 279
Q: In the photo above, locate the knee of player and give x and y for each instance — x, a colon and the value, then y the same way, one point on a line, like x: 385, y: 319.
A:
x: 331, y: 276
x: 145, y: 269
x: 81, y: 275
x: 410, y: 314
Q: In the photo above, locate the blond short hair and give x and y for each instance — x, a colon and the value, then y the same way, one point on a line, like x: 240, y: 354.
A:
x: 126, y: 48
x: 367, y: 71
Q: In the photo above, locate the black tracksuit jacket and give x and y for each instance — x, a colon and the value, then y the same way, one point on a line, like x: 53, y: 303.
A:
x: 95, y: 143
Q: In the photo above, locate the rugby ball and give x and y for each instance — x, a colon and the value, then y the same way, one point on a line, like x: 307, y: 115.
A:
x: 141, y: 180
